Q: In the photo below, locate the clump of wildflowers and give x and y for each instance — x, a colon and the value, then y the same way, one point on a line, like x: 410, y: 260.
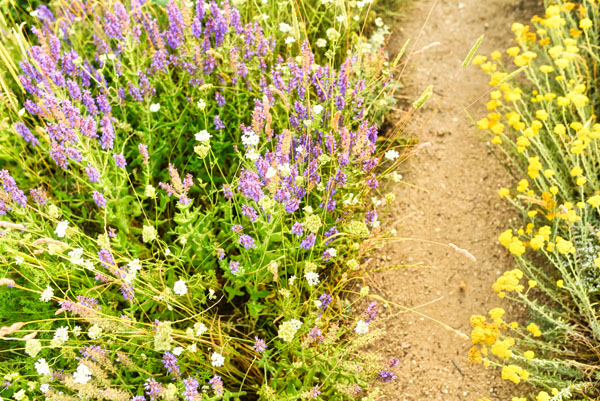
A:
x: 545, y: 127
x: 148, y: 133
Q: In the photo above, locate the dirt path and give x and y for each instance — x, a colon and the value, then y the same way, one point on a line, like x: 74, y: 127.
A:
x: 452, y: 199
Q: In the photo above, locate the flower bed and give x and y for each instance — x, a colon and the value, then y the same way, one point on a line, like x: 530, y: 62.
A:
x: 186, y: 191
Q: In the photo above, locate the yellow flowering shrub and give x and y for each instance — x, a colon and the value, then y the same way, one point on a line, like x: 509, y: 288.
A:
x: 546, y: 127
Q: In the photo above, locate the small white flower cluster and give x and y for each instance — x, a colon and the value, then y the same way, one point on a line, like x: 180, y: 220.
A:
x: 61, y: 336
x: 288, y: 329
x: 82, y: 375
x: 95, y: 332
x: 250, y: 141
x: 42, y: 367
x: 203, y: 136
x: 154, y: 107
x: 312, y: 278
x: 362, y: 327
x: 61, y: 229
x: 392, y: 155
x: 47, y: 294
x: 180, y: 288
x: 200, y: 329
x: 133, y: 267
x: 362, y: 3
x: 76, y: 257
x: 217, y: 360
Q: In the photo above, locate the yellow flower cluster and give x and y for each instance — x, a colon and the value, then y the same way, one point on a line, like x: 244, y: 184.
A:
x: 534, y: 329
x: 514, y: 373
x: 484, y: 332
x: 512, y: 243
x: 509, y: 281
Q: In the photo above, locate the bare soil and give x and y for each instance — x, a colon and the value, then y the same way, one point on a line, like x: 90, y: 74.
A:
x: 450, y: 195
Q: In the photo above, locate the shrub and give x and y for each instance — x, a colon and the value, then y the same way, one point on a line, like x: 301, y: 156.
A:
x: 547, y: 130
x: 200, y: 193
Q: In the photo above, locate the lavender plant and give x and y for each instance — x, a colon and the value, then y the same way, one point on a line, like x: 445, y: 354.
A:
x: 184, y: 199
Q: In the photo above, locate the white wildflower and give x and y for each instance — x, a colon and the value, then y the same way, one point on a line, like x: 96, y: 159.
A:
x: 249, y: 138
x: 288, y: 329
x: 19, y: 395
x: 332, y: 34
x: 44, y: 388
x: 332, y: 252
x: 95, y: 332
x: 321, y: 42
x: 42, y: 367
x: 217, y: 360
x: 62, y: 334
x: 203, y: 136
x: 392, y: 155
x: 76, y: 256
x: 47, y: 294
x: 33, y: 346
x: 312, y: 278
x: 150, y: 191
x: 289, y: 40
x: 200, y: 329
x: 19, y: 260
x: 271, y: 172
x: 180, y: 288
x: 361, y: 327
x: 396, y: 177
x: 291, y: 280
x: 201, y: 104
x: 317, y: 109
x: 154, y: 107
x: 82, y: 375
x: 252, y: 154
x: 133, y: 268
x: 192, y: 348
x: 177, y: 351
x: 77, y: 331
x: 283, y: 27
x: 211, y: 294
x: 61, y: 228
x: 148, y: 233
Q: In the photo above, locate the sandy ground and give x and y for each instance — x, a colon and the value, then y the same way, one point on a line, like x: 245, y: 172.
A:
x: 451, y: 198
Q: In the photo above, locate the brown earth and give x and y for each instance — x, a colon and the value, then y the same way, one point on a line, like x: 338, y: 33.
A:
x: 449, y: 195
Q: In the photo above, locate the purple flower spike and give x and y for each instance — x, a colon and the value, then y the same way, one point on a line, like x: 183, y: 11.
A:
x: 26, y: 134
x: 308, y: 242
x: 170, y: 363
x: 120, y: 160
x: 297, y: 228
x: 247, y: 241
x: 92, y: 173
x: 386, y: 376
x: 99, y: 199
x: 153, y: 388
x: 234, y: 267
